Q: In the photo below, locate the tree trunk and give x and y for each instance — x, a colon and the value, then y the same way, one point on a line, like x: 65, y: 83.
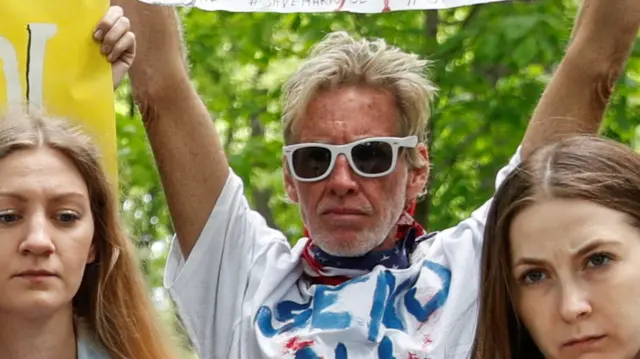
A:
x: 261, y: 196
x: 431, y: 20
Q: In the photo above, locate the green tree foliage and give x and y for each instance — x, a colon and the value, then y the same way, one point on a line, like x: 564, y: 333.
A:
x: 491, y: 63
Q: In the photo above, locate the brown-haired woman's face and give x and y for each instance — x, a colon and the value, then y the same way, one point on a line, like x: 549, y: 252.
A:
x: 576, y: 271
x: 46, y: 232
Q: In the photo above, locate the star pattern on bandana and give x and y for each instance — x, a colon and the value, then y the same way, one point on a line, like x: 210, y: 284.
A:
x: 323, y: 268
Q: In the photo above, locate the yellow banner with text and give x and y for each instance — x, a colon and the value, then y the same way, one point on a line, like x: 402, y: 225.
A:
x: 49, y: 59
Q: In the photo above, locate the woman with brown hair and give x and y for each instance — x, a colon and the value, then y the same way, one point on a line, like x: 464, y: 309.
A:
x: 560, y: 262
x: 70, y: 286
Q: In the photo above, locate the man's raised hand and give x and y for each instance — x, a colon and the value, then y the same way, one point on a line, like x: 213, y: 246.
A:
x: 118, y: 43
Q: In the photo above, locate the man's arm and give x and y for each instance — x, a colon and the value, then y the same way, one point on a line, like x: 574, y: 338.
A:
x: 192, y: 163
x: 577, y: 97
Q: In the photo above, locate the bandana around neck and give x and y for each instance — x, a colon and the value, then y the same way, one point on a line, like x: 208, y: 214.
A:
x: 322, y: 268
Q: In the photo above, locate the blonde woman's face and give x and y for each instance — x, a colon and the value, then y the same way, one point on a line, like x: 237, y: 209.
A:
x: 46, y: 232
x: 576, y: 265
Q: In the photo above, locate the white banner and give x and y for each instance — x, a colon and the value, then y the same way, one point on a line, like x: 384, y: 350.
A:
x: 290, y: 6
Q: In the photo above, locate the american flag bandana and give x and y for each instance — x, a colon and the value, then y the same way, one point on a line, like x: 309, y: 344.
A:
x: 322, y: 268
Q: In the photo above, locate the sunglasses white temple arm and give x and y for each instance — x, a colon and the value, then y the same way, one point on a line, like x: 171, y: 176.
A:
x: 409, y: 141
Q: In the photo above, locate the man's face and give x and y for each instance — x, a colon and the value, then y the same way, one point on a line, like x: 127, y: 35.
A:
x: 346, y: 214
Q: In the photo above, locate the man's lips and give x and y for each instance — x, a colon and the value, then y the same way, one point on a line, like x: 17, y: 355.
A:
x: 345, y: 211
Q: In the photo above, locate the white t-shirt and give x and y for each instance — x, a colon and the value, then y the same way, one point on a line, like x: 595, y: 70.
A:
x: 87, y: 345
x: 240, y: 293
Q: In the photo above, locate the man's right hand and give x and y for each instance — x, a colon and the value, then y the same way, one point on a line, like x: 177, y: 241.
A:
x: 192, y: 164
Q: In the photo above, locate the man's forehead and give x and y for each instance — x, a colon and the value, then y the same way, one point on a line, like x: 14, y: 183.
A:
x: 345, y: 114
x: 350, y: 98
x: 341, y: 134
x: 349, y: 127
x: 339, y: 140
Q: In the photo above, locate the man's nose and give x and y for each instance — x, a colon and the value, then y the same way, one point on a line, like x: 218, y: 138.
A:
x: 342, y: 179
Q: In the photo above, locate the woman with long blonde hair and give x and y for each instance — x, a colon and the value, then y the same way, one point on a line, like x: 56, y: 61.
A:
x: 70, y: 285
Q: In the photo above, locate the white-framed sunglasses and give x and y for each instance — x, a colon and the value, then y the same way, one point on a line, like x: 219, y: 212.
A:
x: 368, y: 157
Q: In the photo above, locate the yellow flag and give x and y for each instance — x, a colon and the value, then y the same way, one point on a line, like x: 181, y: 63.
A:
x: 49, y: 58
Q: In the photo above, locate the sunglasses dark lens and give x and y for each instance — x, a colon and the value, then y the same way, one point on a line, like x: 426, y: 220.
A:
x: 373, y: 157
x: 311, y: 162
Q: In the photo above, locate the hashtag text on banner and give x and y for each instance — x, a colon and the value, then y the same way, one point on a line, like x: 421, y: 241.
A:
x: 295, y: 6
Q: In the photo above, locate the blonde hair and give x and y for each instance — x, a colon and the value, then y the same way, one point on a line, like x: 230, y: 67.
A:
x: 339, y: 59
x: 113, y: 299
